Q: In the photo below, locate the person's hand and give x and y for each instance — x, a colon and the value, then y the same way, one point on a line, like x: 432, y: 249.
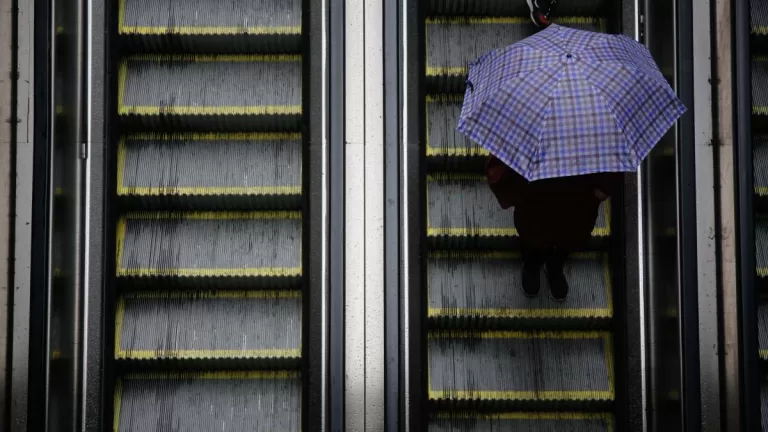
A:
x: 599, y: 194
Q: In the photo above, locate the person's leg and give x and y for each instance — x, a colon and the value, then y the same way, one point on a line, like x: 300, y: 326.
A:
x: 558, y: 285
x: 532, y: 262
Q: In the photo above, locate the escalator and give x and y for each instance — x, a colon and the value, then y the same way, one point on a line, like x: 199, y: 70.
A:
x: 494, y: 358
x: 209, y: 204
x: 759, y: 71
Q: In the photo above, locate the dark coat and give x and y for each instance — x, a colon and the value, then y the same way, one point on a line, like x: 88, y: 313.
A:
x: 558, y: 212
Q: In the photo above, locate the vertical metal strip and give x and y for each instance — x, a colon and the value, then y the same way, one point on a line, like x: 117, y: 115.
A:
x: 374, y: 216
x: 722, y: 52
x: 706, y: 242
x: 93, y: 352
x: 315, y: 317
x: 750, y: 377
x: 392, y: 262
x: 413, y: 211
x: 354, y: 216
x: 336, y: 202
x: 687, y: 229
x: 23, y: 139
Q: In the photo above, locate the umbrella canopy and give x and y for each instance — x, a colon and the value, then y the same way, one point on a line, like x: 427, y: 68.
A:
x: 566, y: 102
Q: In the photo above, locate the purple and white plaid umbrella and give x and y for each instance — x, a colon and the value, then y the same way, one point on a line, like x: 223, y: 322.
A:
x: 565, y: 102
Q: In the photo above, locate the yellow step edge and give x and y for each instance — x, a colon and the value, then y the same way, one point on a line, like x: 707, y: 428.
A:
x: 218, y: 375
x: 190, y: 354
x: 551, y: 395
x: 526, y: 416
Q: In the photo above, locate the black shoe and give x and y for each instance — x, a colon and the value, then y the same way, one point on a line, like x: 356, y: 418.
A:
x: 558, y: 286
x: 540, y: 11
x: 531, y: 280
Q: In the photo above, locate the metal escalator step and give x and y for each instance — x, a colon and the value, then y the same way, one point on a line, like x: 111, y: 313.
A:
x: 209, y: 26
x: 208, y: 401
x: 462, y: 210
x: 211, y: 92
x: 760, y: 85
x: 483, y: 289
x: 764, y: 402
x: 762, y: 324
x: 452, y: 43
x: 760, y: 164
x: 522, y: 421
x: 515, y: 368
x: 447, y: 148
x: 221, y: 249
x: 761, y: 246
x: 228, y: 325
x: 210, y: 170
x: 512, y: 8
x: 758, y: 12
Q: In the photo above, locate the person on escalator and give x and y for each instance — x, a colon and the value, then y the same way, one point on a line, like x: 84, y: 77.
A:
x: 553, y: 217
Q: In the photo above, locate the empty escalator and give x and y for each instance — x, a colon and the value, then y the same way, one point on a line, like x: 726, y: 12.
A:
x: 209, y: 202
x: 496, y: 359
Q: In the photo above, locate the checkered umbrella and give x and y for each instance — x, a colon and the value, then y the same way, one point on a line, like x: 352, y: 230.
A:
x: 565, y: 102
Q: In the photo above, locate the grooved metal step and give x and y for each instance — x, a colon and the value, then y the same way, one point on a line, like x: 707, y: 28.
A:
x: 462, y: 211
x: 761, y: 246
x: 453, y: 42
x: 208, y: 401
x: 223, y: 249
x: 482, y: 289
x: 511, y: 8
x: 211, y: 92
x: 515, y: 368
x: 522, y: 422
x: 228, y: 325
x: 210, y: 26
x: 445, y: 147
x: 760, y: 86
x: 211, y: 170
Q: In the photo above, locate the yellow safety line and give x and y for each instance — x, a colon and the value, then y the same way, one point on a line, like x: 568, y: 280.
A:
x: 122, y: 78
x: 119, y: 316
x: 117, y: 405
x: 214, y: 215
x: 760, y: 110
x: 550, y: 395
x: 760, y: 30
x: 524, y: 416
x: 214, y: 136
x: 220, y: 375
x: 764, y: 354
x: 762, y: 272
x: 198, y: 295
x: 121, y: 225
x: 608, y: 348
x: 210, y: 272
x: 121, y: 157
x: 147, y: 110
x: 121, y: 14
x: 207, y: 190
x: 188, y: 354
x: 210, y: 30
